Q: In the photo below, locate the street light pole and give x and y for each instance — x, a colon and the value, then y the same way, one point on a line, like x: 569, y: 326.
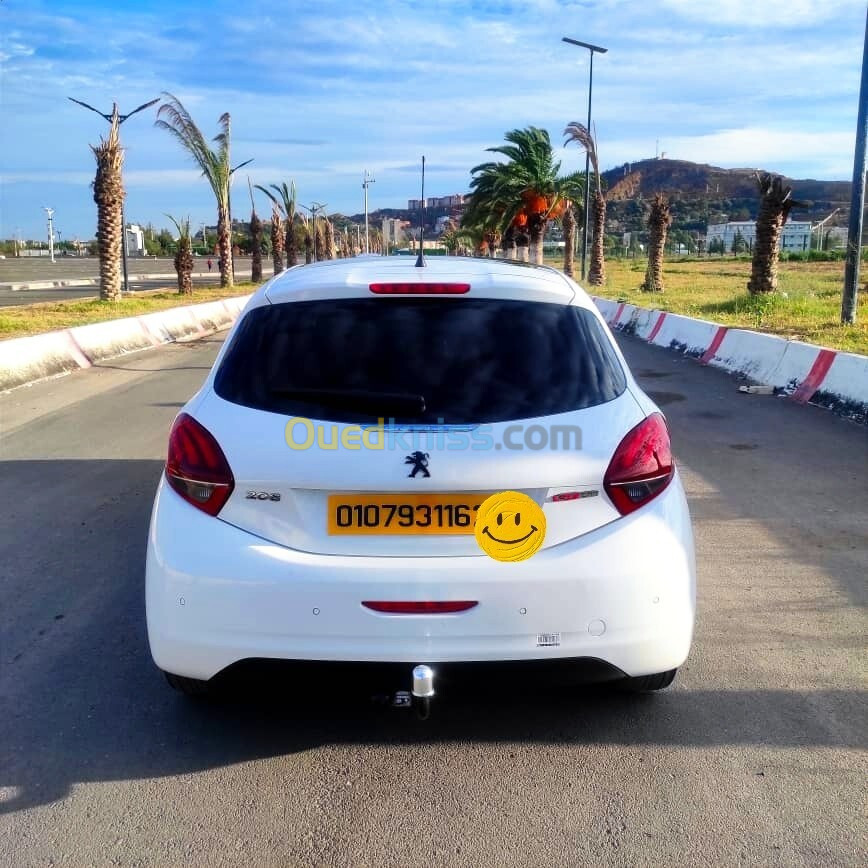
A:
x: 229, y: 209
x: 857, y: 200
x: 50, y: 213
x: 314, y: 207
x: 592, y: 49
x: 365, y: 184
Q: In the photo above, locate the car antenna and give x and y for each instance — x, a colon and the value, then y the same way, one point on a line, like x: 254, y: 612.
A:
x: 420, y: 261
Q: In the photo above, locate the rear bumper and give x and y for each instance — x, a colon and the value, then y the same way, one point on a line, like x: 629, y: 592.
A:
x: 623, y: 594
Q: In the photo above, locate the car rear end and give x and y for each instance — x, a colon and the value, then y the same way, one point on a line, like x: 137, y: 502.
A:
x: 321, y: 488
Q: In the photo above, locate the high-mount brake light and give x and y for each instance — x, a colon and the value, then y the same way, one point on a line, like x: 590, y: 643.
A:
x: 196, y: 467
x: 419, y: 288
x: 414, y: 607
x: 641, y: 467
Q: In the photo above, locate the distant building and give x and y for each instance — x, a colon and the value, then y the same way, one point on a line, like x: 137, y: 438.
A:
x: 456, y: 200
x: 134, y: 237
x: 393, y: 232
x: 795, y: 236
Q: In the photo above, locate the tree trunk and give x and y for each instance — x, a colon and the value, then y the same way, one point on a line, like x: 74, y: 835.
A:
x: 569, y: 224
x: 597, y: 271
x: 291, y: 246
x: 537, y: 226
x: 224, y: 246
x: 108, y: 193
x: 276, y: 241
x: 522, y: 240
x: 658, y: 224
x: 329, y: 239
x: 775, y: 204
x: 184, y: 266
x: 319, y: 240
x: 256, y: 248
x: 308, y: 248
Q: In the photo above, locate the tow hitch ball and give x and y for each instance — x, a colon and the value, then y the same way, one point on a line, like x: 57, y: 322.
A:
x: 421, y: 693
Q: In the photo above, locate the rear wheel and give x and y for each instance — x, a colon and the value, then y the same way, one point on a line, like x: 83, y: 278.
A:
x: 189, y: 686
x: 648, y: 683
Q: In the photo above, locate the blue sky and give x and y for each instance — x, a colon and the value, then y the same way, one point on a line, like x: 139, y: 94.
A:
x: 320, y: 91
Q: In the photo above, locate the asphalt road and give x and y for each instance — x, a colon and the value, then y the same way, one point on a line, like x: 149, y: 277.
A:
x: 755, y: 756
x: 22, y: 270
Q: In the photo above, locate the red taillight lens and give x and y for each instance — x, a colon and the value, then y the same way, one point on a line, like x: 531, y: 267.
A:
x: 412, y: 607
x: 419, y: 288
x: 196, y: 467
x: 641, y: 467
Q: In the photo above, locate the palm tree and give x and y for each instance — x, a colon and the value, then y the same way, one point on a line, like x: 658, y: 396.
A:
x: 255, y: 240
x: 568, y: 221
x: 276, y: 239
x: 214, y: 164
x: 183, y: 256
x: 525, y: 192
x: 575, y: 132
x: 659, y: 221
x: 329, y: 237
x: 285, y: 202
x: 108, y: 193
x: 776, y: 202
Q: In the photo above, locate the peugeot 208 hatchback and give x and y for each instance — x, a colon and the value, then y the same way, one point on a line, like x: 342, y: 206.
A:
x: 321, y: 488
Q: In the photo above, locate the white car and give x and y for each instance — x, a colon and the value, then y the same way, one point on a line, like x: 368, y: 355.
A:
x: 320, y: 492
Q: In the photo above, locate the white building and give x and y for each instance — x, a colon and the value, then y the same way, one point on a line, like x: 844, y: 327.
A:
x: 796, y: 235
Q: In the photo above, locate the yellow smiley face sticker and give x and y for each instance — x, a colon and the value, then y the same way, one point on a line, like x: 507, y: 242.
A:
x: 510, y: 526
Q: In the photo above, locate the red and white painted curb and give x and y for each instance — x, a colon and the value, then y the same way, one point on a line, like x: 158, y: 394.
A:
x: 39, y: 357
x: 804, y: 372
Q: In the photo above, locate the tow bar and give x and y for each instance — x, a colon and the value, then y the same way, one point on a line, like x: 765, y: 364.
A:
x: 419, y: 697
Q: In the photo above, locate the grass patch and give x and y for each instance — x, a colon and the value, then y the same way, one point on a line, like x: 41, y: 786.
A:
x: 31, y: 319
x: 807, y: 306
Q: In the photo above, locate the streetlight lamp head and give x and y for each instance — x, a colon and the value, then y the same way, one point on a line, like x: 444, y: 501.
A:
x: 587, y: 45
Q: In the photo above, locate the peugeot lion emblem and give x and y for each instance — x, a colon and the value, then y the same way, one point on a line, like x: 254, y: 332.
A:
x: 419, y: 460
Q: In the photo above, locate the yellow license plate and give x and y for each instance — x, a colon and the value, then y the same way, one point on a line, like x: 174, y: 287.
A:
x: 402, y: 514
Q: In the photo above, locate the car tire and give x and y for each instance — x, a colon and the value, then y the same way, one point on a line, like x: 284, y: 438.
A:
x: 648, y: 683
x: 192, y: 687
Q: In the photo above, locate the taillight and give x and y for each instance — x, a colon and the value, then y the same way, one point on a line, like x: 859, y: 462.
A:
x: 419, y: 288
x: 641, y: 467
x: 196, y: 467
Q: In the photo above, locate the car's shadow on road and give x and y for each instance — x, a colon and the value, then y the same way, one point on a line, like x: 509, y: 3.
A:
x: 82, y: 701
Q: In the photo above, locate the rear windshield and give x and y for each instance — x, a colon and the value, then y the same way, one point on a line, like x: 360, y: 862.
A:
x: 419, y: 361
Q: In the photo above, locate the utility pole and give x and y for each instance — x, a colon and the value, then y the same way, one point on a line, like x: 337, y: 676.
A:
x: 121, y: 119
x: 50, y: 213
x: 365, y: 184
x: 857, y: 199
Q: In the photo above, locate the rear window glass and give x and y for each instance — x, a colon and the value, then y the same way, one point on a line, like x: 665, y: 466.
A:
x: 419, y: 361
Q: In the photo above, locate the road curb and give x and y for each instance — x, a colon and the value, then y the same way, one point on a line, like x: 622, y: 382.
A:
x: 28, y: 360
x: 805, y: 373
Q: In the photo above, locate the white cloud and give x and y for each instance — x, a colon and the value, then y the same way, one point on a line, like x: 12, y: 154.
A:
x: 754, y: 14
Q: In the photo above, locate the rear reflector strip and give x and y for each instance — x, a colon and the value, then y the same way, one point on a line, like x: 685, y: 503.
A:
x: 419, y: 288
x: 428, y: 607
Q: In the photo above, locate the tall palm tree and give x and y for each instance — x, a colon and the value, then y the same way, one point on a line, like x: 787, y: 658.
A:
x: 184, y: 256
x: 214, y: 163
x: 285, y: 202
x: 526, y: 184
x: 776, y: 202
x: 108, y: 193
x: 576, y: 132
x: 659, y: 221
